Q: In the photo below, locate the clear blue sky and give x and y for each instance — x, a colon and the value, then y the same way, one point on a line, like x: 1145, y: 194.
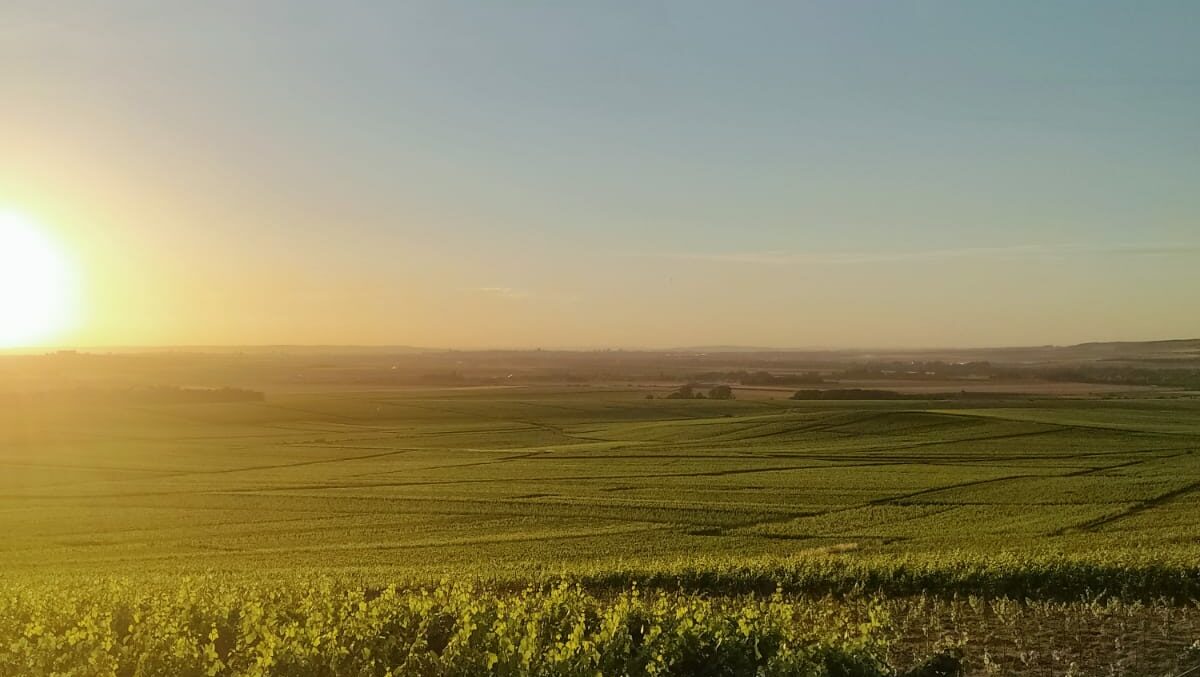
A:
x: 613, y: 173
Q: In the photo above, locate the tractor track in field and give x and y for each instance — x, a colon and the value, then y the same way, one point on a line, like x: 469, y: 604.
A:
x: 495, y: 461
x: 525, y: 427
x: 963, y: 440
x: 782, y: 517
x: 1126, y: 464
x: 750, y: 423
x: 353, y: 421
x: 295, y: 464
x: 316, y: 520
x: 840, y: 509
x: 822, y: 426
x: 896, y: 500
x: 565, y: 535
x: 1138, y: 508
x: 315, y: 415
x: 602, y: 478
x: 495, y: 480
x: 488, y: 508
x: 1000, y: 461
x: 508, y: 507
x: 175, y: 474
x: 502, y: 419
x: 884, y: 540
x: 1074, y: 426
x: 802, y: 487
x: 838, y: 460
x: 897, y: 447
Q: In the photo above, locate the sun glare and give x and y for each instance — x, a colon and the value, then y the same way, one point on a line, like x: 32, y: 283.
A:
x: 36, y: 290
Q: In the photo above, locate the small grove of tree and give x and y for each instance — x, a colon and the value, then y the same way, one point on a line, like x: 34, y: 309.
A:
x: 721, y: 392
x: 760, y: 378
x: 1140, y: 376
x: 686, y: 392
x: 765, y: 378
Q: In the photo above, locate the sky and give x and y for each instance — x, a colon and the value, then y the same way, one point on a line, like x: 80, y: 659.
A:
x: 610, y: 174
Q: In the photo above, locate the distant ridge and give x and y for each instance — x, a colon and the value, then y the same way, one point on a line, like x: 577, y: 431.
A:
x: 1161, y: 349
x: 1190, y: 344
x: 1156, y: 345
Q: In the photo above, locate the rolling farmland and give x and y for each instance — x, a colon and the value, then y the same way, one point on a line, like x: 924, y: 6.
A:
x: 595, y: 339
x: 1073, y: 502
x: 417, y: 481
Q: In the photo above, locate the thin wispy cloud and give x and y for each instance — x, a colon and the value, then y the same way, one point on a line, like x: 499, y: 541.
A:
x: 1013, y: 252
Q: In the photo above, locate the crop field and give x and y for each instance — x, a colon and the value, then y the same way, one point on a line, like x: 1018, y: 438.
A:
x: 1054, y: 501
x: 525, y: 480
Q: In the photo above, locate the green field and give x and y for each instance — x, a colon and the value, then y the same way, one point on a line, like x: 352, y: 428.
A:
x: 1054, y: 499
x: 524, y: 480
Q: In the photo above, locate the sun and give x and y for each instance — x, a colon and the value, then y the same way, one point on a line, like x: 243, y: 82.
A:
x: 36, y: 284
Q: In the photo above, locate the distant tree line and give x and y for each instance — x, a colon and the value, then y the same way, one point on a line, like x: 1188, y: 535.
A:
x: 933, y: 370
x: 762, y: 377
x: 1084, y: 373
x: 1130, y: 376
x: 869, y: 394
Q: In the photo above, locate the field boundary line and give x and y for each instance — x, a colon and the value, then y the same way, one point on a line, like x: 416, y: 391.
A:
x: 1078, y: 426
x: 1139, y: 508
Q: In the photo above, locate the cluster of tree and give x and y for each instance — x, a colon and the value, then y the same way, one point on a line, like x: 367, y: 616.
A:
x: 1135, y: 376
x: 691, y: 391
x: 763, y: 378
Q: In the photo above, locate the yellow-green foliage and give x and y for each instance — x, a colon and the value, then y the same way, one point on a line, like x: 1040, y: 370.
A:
x: 207, y: 627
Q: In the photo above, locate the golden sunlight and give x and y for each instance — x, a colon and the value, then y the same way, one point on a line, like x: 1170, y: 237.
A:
x: 37, y: 295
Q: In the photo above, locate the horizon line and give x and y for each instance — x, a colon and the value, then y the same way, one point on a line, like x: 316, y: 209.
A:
x: 716, y: 348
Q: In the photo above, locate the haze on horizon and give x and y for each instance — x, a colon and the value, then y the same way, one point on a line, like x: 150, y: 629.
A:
x: 472, y: 174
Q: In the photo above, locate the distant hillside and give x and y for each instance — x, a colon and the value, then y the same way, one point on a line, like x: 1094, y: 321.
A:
x: 1170, y: 346
x: 1178, y: 351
